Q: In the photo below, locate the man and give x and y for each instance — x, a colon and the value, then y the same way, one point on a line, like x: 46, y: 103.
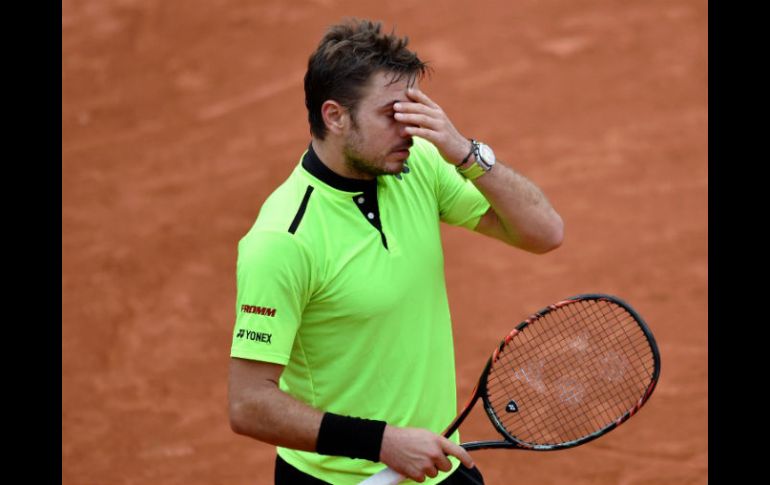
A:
x: 342, y: 350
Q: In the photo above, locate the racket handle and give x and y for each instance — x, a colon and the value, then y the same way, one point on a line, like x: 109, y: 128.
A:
x: 387, y: 476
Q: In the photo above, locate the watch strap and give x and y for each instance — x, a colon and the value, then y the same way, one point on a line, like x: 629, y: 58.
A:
x: 473, y: 149
x: 479, y: 166
x: 473, y: 172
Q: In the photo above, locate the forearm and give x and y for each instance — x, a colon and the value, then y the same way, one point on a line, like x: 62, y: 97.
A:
x: 524, y: 213
x: 268, y: 414
x: 259, y: 409
x: 521, y: 215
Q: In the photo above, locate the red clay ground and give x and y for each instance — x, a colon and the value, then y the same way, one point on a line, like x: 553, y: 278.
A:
x: 178, y: 119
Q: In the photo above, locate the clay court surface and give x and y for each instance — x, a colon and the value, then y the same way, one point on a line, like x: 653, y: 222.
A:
x: 179, y: 118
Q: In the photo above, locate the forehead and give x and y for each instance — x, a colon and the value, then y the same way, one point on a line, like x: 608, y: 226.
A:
x: 381, y: 89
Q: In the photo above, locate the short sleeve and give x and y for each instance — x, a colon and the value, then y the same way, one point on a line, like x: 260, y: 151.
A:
x: 460, y: 203
x: 273, y: 285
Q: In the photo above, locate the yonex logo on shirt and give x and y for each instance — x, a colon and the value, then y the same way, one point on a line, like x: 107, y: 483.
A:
x: 260, y: 310
x: 255, y: 336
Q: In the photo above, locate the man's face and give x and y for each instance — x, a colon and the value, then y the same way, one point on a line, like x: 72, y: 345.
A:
x: 376, y: 143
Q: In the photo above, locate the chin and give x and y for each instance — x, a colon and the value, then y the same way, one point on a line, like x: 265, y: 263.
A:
x: 393, y: 168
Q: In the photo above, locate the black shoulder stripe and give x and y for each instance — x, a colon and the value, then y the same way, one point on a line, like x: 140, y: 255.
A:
x: 301, y: 210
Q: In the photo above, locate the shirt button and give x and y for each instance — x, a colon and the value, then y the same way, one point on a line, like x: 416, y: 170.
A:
x: 360, y: 200
x: 370, y: 215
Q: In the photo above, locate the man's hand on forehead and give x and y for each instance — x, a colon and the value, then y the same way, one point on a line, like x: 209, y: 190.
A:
x: 426, y: 119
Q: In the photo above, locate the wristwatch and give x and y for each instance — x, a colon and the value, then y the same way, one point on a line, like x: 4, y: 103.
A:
x: 484, y: 160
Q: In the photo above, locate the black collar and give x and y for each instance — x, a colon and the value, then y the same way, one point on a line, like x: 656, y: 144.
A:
x: 316, y: 167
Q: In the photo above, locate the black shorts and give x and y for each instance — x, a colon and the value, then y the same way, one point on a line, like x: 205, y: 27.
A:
x: 286, y: 474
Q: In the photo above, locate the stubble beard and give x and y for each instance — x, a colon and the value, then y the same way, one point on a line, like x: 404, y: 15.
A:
x: 358, y: 163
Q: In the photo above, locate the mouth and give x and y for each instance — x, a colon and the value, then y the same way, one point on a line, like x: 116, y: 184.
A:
x: 403, y: 149
x: 401, y: 154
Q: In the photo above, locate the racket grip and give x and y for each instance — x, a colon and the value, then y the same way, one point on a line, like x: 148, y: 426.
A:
x: 387, y: 476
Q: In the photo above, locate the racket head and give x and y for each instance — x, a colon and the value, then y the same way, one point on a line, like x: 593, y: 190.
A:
x: 569, y: 373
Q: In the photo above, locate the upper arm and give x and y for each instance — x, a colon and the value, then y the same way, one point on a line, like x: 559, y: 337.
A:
x: 490, y: 225
x: 247, y: 372
x: 248, y: 377
x: 544, y: 241
x: 260, y: 409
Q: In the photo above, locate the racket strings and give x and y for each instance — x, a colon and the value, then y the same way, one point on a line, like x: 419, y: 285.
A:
x: 571, y: 390
x: 570, y: 373
x: 612, y: 368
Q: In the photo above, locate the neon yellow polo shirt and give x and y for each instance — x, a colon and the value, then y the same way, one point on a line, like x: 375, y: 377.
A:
x: 342, y: 281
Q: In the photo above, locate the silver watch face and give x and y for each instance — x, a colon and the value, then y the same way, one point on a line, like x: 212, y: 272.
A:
x: 487, y: 155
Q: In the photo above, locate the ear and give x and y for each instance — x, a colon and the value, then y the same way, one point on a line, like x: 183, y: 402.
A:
x: 335, y: 116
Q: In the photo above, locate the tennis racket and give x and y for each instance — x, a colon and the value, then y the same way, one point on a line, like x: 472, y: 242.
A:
x: 566, y: 375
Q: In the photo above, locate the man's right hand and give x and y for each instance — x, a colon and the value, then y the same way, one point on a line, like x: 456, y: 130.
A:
x: 417, y: 453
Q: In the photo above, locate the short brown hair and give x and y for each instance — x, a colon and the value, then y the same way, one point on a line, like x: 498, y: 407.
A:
x: 347, y: 56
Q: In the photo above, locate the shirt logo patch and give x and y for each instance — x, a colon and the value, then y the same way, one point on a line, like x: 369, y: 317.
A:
x: 259, y: 310
x: 255, y: 336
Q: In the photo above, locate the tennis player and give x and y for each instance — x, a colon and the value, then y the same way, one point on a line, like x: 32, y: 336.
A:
x: 342, y: 352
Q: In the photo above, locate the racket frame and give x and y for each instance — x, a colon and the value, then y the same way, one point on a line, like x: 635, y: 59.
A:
x: 480, y: 391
